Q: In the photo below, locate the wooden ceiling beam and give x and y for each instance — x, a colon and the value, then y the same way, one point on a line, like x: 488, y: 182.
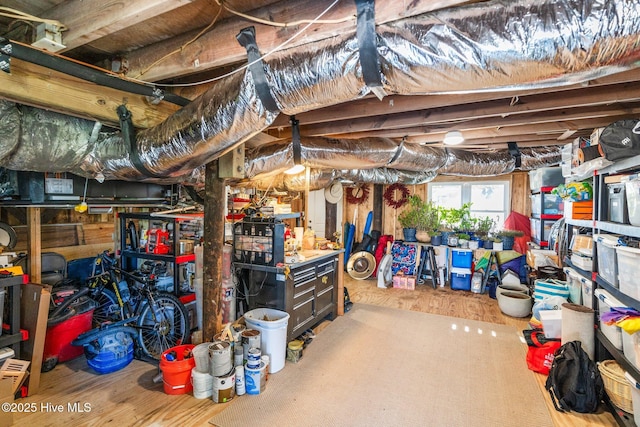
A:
x: 521, y: 130
x: 575, y: 104
x: 41, y: 87
x: 89, y: 20
x: 371, y: 106
x: 218, y: 47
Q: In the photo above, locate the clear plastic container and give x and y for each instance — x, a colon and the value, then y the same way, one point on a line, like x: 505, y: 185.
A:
x: 612, y: 332
x: 627, y: 262
x: 632, y: 188
x: 607, y: 266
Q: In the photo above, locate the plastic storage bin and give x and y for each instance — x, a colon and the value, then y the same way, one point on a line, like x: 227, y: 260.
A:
x: 587, y: 291
x: 546, y: 204
x: 551, y: 323
x: 575, y: 287
x: 541, y: 228
x: 628, y: 260
x: 605, y: 302
x: 631, y: 347
x: 460, y: 279
x: 272, y: 325
x: 545, y: 177
x: 618, y: 211
x: 607, y: 265
x: 461, y: 258
x: 632, y: 190
x: 635, y: 397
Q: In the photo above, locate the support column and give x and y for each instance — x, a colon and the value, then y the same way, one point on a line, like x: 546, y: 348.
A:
x: 212, y: 251
x: 34, y: 245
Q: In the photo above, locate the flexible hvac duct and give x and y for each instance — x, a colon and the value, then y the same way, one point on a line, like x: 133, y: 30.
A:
x: 484, y: 46
x: 386, y: 159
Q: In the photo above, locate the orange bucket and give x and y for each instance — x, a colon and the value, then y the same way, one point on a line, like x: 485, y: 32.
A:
x: 176, y: 374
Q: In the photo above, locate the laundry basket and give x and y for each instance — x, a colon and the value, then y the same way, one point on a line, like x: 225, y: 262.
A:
x: 616, y: 385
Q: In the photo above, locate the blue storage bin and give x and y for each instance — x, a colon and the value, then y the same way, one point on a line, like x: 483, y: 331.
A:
x: 460, y: 279
x: 461, y: 258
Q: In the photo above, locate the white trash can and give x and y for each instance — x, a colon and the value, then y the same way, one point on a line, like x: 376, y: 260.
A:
x: 272, y: 325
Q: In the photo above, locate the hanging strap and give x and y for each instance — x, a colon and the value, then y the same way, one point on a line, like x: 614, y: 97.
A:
x: 129, y: 136
x: 367, y: 46
x: 247, y: 39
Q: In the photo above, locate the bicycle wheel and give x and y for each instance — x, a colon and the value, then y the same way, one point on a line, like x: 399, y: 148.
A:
x: 162, y: 324
x: 108, y: 309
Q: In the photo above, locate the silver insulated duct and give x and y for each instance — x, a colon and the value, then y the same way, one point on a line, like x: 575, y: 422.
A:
x: 485, y: 46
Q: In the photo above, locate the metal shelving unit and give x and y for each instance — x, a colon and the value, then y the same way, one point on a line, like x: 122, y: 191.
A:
x: 14, y: 336
x: 174, y: 257
x: 604, y: 348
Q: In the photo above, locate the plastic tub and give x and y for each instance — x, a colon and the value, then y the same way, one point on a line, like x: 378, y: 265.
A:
x: 545, y: 177
x: 272, y: 325
x: 630, y: 347
x: 575, y: 287
x: 632, y: 188
x: 612, y: 332
x: 635, y: 397
x: 176, y: 374
x: 461, y: 258
x: 587, y: 291
x: 460, y: 279
x: 627, y: 261
x: 618, y: 211
x: 551, y: 323
x: 607, y: 266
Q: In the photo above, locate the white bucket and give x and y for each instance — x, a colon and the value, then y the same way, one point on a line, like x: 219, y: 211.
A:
x: 202, y: 384
x: 273, y: 332
x: 201, y: 356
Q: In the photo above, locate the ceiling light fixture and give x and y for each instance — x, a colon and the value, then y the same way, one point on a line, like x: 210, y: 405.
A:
x: 297, y: 148
x: 453, y: 137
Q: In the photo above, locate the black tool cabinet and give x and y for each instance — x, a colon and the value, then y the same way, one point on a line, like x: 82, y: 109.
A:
x: 306, y: 290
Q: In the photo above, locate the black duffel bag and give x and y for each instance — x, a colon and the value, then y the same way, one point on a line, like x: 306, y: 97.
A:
x: 621, y: 139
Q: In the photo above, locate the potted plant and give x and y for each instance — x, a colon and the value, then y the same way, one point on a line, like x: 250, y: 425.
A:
x: 482, y: 227
x: 418, y: 220
x: 508, y: 237
x: 463, y: 240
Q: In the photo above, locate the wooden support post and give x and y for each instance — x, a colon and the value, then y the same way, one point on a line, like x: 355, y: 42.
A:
x: 34, y: 245
x: 212, y: 251
x: 378, y: 204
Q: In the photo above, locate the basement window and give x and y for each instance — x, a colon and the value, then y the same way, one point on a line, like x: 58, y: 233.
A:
x: 489, y: 198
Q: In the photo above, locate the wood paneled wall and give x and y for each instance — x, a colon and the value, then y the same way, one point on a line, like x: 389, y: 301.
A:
x: 520, y: 202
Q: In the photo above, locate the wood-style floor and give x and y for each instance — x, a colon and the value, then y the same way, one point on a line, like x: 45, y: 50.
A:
x: 129, y: 397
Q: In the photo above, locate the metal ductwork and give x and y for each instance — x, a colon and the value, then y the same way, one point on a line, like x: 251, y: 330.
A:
x: 382, y: 161
x: 486, y: 46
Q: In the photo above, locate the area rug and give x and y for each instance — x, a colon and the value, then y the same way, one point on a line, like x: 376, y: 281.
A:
x: 378, y: 366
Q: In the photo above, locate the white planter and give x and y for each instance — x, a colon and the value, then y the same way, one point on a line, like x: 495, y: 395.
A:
x: 497, y: 246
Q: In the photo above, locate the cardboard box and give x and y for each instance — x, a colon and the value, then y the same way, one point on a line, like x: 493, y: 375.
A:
x: 537, y: 258
x: 404, y: 282
x: 6, y: 396
x: 34, y: 313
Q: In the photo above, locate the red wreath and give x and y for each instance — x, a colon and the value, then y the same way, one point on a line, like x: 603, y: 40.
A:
x: 358, y: 194
x: 390, y: 192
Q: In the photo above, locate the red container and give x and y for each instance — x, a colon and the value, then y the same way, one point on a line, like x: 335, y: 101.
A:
x: 176, y: 374
x: 57, y: 344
